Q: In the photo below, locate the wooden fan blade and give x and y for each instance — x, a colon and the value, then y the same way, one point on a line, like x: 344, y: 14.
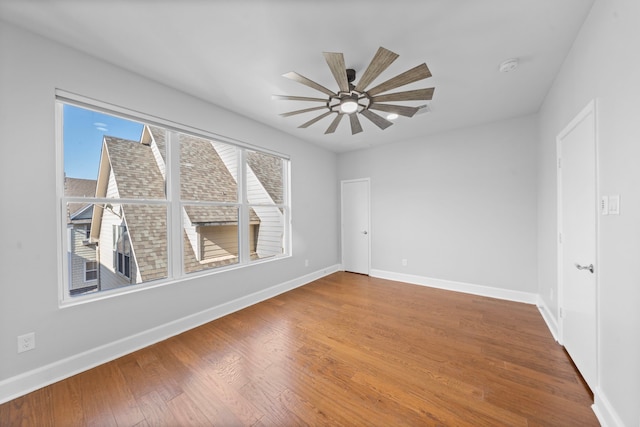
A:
x: 413, y: 75
x: 297, y: 98
x: 356, y: 127
x: 398, y: 109
x: 410, y: 95
x: 380, y: 62
x: 306, y: 110
x: 334, y: 124
x: 312, y: 121
x: 292, y: 75
x: 338, y: 69
x: 379, y: 121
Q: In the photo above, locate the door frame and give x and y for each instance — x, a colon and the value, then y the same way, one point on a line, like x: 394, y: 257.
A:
x: 590, y: 108
x: 342, y: 183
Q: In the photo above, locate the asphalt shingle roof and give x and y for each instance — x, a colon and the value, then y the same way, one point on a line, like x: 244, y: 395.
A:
x: 77, y: 187
x: 147, y: 225
x: 203, y: 174
x: 204, y: 177
x: 137, y: 176
x: 136, y: 171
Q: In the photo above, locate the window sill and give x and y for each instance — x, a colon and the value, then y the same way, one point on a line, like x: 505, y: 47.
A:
x: 72, y: 301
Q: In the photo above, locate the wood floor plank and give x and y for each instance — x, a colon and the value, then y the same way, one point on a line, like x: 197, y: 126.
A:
x: 66, y: 404
x: 96, y: 406
x: 155, y: 410
x: 346, y: 349
x: 186, y: 412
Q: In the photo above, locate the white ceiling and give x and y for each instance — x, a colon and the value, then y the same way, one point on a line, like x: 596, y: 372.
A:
x: 233, y: 53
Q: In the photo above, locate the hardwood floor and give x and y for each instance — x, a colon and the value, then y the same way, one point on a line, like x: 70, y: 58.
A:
x: 345, y: 350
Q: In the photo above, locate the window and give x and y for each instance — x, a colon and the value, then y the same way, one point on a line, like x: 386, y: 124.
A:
x: 265, y: 193
x: 90, y: 271
x: 211, y: 202
x: 164, y: 202
x: 122, y: 251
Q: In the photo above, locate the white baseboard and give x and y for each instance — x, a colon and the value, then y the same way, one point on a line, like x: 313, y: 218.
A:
x: 27, y: 382
x: 607, y: 416
x: 468, y: 288
x: 549, y: 319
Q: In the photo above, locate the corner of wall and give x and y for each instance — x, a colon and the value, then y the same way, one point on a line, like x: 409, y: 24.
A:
x: 548, y: 317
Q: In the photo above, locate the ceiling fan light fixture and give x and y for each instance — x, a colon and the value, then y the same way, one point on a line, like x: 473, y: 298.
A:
x: 349, y: 104
x: 392, y: 116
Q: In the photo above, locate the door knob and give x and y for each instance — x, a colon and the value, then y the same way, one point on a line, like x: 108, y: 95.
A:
x: 365, y: 232
x: 585, y: 267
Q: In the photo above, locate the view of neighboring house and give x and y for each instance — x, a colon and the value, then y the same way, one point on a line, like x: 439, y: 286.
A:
x: 83, y: 264
x: 132, y: 238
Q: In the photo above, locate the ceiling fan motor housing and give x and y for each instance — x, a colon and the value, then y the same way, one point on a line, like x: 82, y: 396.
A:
x: 351, y: 76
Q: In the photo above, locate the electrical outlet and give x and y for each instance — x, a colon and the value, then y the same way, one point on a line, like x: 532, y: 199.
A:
x: 306, y: 263
x: 551, y: 294
x: 26, y: 342
x: 404, y: 262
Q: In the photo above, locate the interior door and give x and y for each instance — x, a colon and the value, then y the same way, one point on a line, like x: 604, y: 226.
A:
x: 578, y: 210
x: 355, y: 226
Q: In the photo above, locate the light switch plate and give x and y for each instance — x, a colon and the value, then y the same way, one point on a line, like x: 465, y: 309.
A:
x: 604, y: 205
x: 614, y: 204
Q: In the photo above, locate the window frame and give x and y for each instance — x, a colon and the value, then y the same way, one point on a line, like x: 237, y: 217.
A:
x: 87, y: 271
x: 174, y: 205
x: 122, y: 258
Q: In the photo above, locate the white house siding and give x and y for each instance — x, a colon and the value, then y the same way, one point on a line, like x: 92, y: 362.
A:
x: 270, y: 232
x: 191, y: 233
x: 109, y: 278
x: 159, y: 160
x: 112, y: 187
x: 218, y: 241
x: 80, y: 254
x: 229, y: 155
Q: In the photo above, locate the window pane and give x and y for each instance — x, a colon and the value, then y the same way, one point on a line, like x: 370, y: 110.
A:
x: 265, y: 184
x: 82, y: 253
x: 107, y: 156
x: 91, y: 271
x: 266, y: 232
x: 138, y: 254
x: 210, y: 237
x: 208, y: 170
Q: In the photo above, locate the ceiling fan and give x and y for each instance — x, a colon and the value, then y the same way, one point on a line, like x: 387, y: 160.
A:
x: 355, y: 99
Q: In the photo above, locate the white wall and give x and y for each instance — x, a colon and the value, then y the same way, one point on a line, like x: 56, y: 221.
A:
x: 31, y: 68
x: 459, y: 206
x: 604, y: 64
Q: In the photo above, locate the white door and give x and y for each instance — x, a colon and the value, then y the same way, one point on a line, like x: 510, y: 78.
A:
x: 578, y: 210
x: 355, y: 226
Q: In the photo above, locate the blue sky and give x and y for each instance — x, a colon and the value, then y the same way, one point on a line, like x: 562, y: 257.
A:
x: 82, y: 138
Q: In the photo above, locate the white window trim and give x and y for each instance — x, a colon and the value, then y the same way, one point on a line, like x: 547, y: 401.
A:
x: 86, y: 271
x: 175, y: 270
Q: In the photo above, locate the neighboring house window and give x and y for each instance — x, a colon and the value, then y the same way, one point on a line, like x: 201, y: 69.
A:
x: 90, y: 271
x: 123, y: 252
x: 228, y: 203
